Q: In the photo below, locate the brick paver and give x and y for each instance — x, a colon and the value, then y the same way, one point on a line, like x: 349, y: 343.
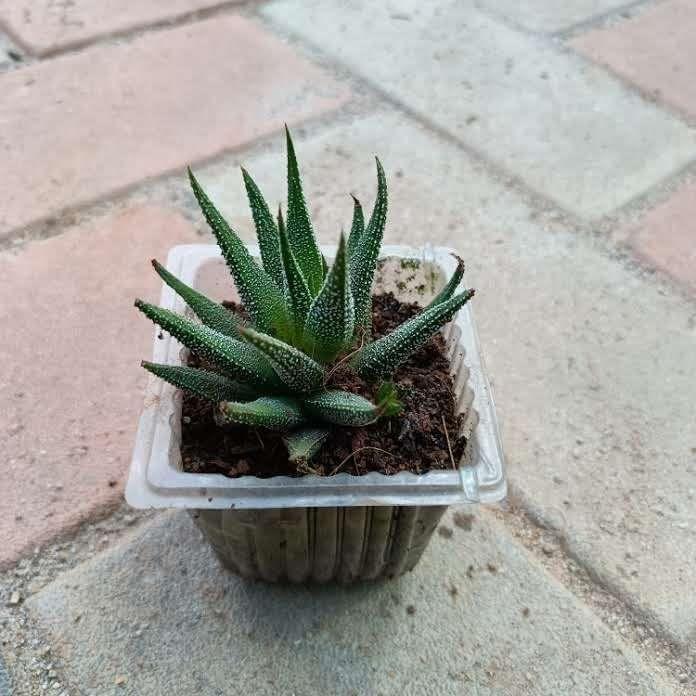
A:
x: 46, y: 26
x: 542, y: 15
x: 593, y: 368
x: 558, y: 123
x: 159, y: 614
x: 70, y: 382
x: 656, y: 50
x: 666, y: 236
x: 85, y: 125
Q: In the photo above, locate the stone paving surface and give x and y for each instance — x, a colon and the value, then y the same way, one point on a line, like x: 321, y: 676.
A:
x: 4, y: 680
x: 655, y: 50
x: 158, y: 91
x: 160, y: 611
x: 70, y: 386
x: 539, y: 112
x: 551, y: 143
x: 46, y: 26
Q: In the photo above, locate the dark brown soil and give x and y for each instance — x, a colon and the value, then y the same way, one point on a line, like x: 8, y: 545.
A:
x: 413, y: 441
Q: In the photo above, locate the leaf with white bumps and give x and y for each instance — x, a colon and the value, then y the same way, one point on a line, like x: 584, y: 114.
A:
x: 357, y: 228
x: 272, y: 412
x: 299, y: 297
x: 210, y: 313
x: 341, y: 407
x: 209, y: 385
x: 234, y: 357
x: 305, y: 443
x: 262, y: 298
x: 451, y: 285
x: 331, y: 318
x: 364, y: 260
x: 296, y: 370
x: 381, y: 358
x: 266, y: 231
x: 300, y: 233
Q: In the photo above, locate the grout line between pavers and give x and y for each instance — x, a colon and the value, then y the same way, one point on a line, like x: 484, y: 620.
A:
x: 133, y: 32
x: 604, y: 19
x: 598, y: 20
x: 634, y: 625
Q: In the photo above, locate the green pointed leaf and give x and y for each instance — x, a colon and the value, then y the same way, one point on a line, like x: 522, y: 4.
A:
x: 331, y: 318
x: 266, y: 231
x: 272, y: 412
x: 298, y: 295
x: 341, y: 408
x: 210, y: 313
x: 388, y: 399
x: 209, y: 385
x: 296, y: 370
x: 451, y: 285
x: 357, y: 228
x: 235, y: 357
x: 262, y: 298
x: 364, y: 260
x: 381, y: 358
x: 305, y: 443
x: 300, y: 232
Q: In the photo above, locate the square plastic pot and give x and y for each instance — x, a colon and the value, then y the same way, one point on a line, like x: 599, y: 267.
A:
x: 312, y: 528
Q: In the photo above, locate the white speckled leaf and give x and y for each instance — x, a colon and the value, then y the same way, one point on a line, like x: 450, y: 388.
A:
x: 266, y: 231
x: 382, y: 357
x: 262, y: 298
x: 341, y: 408
x: 272, y: 412
x: 305, y: 443
x: 357, y: 228
x: 364, y: 261
x: 209, y: 385
x: 331, y: 318
x: 210, y: 313
x: 239, y: 359
x: 298, y: 372
x: 297, y: 291
x: 451, y: 285
x: 300, y: 232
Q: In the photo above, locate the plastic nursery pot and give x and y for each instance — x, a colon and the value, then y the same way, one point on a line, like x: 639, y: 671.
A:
x: 311, y: 528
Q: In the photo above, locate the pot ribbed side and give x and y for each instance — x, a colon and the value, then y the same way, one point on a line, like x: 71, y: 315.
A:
x: 299, y: 545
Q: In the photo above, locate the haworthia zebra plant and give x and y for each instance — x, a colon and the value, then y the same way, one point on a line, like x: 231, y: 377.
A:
x: 304, y: 317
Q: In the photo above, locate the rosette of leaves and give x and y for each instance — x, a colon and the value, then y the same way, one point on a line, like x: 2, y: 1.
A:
x: 304, y: 316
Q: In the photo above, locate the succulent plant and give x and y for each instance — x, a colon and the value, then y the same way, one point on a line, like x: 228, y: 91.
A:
x: 304, y: 317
